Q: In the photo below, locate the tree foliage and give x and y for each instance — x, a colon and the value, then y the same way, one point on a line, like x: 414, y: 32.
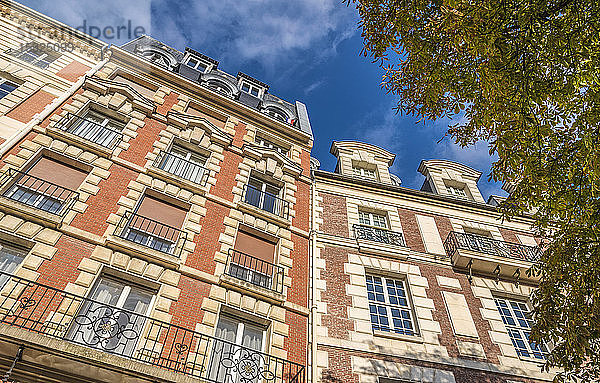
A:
x: 523, y: 75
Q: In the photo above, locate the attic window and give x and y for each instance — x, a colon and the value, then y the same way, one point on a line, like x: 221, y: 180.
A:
x: 456, y: 191
x: 277, y: 113
x: 364, y: 172
x: 197, y: 64
x: 219, y: 86
x: 250, y: 89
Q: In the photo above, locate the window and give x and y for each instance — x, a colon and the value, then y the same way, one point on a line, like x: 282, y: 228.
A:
x: 220, y: 87
x: 197, y: 64
x: 185, y: 164
x: 456, y: 191
x: 263, y: 195
x: 156, y: 57
x: 155, y: 224
x: 250, y: 89
x: 6, y: 87
x: 113, y: 318
x: 97, y: 128
x: 48, y: 185
x: 372, y: 219
x: 241, y: 340
x: 389, y: 305
x: 36, y: 54
x: 252, y: 261
x: 277, y: 114
x: 269, y: 144
x: 364, y: 172
x: 10, y: 258
x: 517, y: 319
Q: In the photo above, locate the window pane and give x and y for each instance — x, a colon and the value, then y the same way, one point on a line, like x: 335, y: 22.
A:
x: 517, y: 319
x: 10, y: 258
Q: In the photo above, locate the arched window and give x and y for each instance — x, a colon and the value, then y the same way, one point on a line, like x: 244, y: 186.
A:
x: 156, y: 57
x: 219, y: 86
x: 277, y: 113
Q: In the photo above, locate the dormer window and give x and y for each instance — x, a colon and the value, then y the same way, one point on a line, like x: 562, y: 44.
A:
x: 364, y: 172
x: 277, y: 114
x: 456, y: 191
x: 219, y: 86
x: 36, y: 54
x: 251, y: 89
x: 197, y: 64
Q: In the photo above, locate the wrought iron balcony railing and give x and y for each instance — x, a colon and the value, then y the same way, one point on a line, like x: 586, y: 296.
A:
x: 179, y: 166
x: 90, y: 130
x: 266, y: 201
x: 378, y: 234
x: 52, y: 312
x: 481, y: 244
x: 254, y: 270
x: 152, y: 234
x: 36, y: 192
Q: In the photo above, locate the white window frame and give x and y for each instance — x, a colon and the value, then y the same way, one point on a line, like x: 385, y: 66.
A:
x: 38, y: 59
x: 278, y: 203
x: 363, y: 172
x: 106, y: 120
x: 126, y: 290
x: 251, y: 87
x: 15, y: 252
x: 188, y: 157
x: 277, y: 114
x: 197, y: 64
x: 523, y: 331
x: 218, y: 88
x: 370, y: 219
x: 389, y: 306
x: 4, y: 92
x: 457, y: 191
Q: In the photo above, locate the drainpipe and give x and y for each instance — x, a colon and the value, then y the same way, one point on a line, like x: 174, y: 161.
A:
x: 313, y: 289
x: 18, y: 136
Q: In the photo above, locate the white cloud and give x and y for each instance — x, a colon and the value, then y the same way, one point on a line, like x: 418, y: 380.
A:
x: 280, y: 35
x: 100, y: 15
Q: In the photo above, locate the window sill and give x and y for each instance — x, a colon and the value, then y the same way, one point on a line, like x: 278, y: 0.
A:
x: 381, y: 248
x: 120, y: 244
x: 181, y: 182
x: 270, y: 217
x: 75, y: 139
x: 251, y: 289
x: 402, y: 337
x: 38, y: 216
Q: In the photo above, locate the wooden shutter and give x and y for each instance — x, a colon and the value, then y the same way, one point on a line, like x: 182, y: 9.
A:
x: 255, y: 246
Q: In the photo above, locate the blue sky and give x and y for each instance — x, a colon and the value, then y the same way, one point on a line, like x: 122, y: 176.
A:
x: 305, y: 50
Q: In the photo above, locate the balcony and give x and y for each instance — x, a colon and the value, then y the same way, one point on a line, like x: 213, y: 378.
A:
x: 266, y: 201
x: 490, y: 256
x: 151, y: 234
x: 90, y: 130
x: 54, y: 313
x: 255, y: 271
x: 181, y: 167
x: 33, y: 193
x: 381, y: 241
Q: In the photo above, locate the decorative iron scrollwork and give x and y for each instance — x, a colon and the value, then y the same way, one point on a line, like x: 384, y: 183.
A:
x: 248, y: 366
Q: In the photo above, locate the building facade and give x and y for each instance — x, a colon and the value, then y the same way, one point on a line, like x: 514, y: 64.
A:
x: 154, y: 227
x: 41, y: 61
x: 422, y: 285
x: 162, y: 220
